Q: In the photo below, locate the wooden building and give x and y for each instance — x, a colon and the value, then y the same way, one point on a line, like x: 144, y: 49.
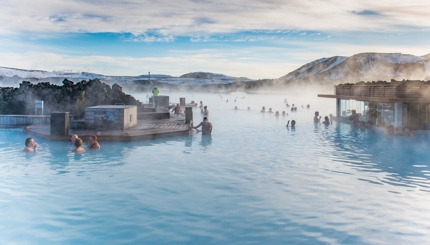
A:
x: 399, y: 103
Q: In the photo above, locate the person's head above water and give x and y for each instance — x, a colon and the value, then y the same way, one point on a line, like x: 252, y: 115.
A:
x: 29, y: 142
x: 78, y: 142
x: 293, y: 123
x: 205, y: 119
x: 73, y: 138
x: 317, y: 113
x: 390, y: 129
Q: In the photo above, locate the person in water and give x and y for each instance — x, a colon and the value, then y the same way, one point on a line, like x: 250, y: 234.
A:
x: 177, y: 109
x: 205, y: 110
x: 389, y: 129
x: 277, y: 113
x: 92, y: 143
x: 326, y: 121
x: 270, y: 110
x: 72, y: 139
x: 78, y: 145
x: 354, y: 118
x: 263, y: 109
x: 408, y: 132
x: 317, y: 118
x: 293, y: 123
x: 206, y: 127
x: 30, y: 145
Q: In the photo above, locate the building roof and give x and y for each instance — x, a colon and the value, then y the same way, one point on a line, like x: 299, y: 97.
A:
x: 405, y: 91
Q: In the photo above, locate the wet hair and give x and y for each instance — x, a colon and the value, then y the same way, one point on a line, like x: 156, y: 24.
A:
x: 78, y: 142
x: 27, y: 141
x: 94, y: 137
x: 205, y: 118
x: 293, y: 123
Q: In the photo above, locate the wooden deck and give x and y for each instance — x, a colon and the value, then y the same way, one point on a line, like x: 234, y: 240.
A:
x: 145, y: 129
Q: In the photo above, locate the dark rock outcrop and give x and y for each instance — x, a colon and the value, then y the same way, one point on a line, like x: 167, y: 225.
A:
x: 70, y: 97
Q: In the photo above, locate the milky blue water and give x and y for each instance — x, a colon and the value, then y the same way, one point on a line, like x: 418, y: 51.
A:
x: 253, y: 182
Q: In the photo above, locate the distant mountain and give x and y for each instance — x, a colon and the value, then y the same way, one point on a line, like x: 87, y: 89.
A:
x: 13, y: 76
x: 360, y: 67
x: 325, y: 72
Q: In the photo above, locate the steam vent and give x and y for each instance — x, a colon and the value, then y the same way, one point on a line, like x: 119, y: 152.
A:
x: 399, y: 103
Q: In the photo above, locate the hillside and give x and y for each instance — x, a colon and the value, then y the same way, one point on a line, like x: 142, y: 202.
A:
x: 360, y: 67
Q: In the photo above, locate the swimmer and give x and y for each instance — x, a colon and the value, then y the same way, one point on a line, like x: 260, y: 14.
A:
x: 177, y: 109
x: 72, y: 139
x: 283, y: 113
x: 206, y: 126
x: 317, y: 118
x: 390, y: 130
x: 249, y: 108
x: 201, y: 104
x: 308, y: 106
x: 78, y: 145
x: 277, y: 113
x: 235, y: 108
x: 270, y: 110
x: 288, y: 106
x: 30, y: 145
x: 205, y: 110
x: 326, y: 121
x: 408, y: 132
x: 263, y: 109
x: 227, y: 101
x: 92, y: 142
x: 293, y: 123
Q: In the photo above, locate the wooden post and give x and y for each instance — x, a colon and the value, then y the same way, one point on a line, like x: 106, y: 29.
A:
x: 188, y: 114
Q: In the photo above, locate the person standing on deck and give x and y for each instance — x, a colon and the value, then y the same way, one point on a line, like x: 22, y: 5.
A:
x: 155, y: 91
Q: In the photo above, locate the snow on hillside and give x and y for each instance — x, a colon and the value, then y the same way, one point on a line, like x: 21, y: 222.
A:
x: 196, y: 78
x: 361, y: 67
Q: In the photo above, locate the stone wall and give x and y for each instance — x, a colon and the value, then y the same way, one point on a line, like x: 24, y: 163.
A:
x: 70, y: 97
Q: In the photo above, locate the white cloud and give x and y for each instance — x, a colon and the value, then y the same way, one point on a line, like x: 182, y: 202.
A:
x: 189, y: 17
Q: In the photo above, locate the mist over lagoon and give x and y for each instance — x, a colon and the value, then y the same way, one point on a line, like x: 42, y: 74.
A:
x: 347, y: 163
x: 313, y: 184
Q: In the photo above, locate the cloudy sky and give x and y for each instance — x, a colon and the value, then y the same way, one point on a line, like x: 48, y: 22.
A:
x: 250, y: 38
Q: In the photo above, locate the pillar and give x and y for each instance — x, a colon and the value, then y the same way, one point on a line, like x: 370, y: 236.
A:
x: 188, y: 114
x: 397, y: 122
x: 338, y: 114
x: 60, y: 123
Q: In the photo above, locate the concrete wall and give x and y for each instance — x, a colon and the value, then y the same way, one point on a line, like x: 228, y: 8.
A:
x: 110, y: 117
x: 130, y: 117
x: 22, y: 120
